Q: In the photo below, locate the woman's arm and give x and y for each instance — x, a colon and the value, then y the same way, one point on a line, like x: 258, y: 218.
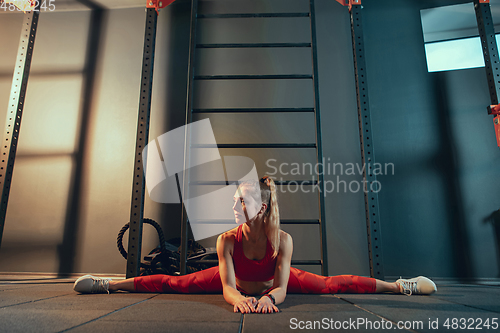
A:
x: 281, y: 275
x: 227, y: 276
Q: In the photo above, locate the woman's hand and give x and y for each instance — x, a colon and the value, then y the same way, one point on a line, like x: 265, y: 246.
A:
x: 245, y: 305
x: 265, y: 305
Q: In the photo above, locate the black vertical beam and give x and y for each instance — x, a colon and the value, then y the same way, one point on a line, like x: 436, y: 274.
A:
x: 139, y: 183
x: 15, y: 108
x: 187, y: 141
x: 490, y: 49
x: 367, y: 152
x: 319, y: 145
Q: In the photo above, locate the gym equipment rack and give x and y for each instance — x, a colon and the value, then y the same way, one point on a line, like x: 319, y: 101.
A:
x: 19, y: 88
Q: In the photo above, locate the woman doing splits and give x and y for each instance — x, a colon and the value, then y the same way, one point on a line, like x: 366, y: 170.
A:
x: 254, y: 260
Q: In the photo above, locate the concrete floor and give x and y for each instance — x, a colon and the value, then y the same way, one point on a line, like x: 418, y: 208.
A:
x: 41, y: 304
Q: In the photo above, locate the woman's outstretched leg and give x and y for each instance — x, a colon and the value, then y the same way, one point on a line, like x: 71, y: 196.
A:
x: 125, y: 285
x: 382, y: 287
x: 205, y: 281
x: 301, y: 282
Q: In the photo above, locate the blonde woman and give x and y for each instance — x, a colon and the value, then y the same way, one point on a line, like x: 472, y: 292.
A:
x: 254, y: 260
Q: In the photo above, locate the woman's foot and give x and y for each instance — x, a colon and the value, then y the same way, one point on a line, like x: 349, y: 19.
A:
x: 89, y: 284
x: 416, y: 286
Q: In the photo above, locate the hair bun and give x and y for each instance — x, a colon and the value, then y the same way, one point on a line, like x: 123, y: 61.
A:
x: 266, y: 180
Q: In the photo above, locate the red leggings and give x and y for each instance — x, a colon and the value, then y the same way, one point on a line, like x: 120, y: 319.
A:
x: 300, y: 282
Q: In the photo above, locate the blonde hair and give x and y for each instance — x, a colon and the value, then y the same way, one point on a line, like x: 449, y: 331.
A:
x: 269, y: 197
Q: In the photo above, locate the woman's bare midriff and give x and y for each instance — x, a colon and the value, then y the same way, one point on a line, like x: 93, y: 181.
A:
x: 254, y: 287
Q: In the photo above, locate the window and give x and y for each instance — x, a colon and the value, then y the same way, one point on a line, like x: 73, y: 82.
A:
x: 451, y: 36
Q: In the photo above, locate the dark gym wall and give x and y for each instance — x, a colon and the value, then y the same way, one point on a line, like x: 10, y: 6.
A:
x: 106, y: 197
x: 45, y: 160
x: 38, y: 202
x: 345, y: 210
x: 435, y: 129
x: 346, y: 234
x: 432, y: 126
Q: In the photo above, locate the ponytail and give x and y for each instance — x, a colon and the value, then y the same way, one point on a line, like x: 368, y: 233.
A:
x: 272, y: 218
x: 268, y: 195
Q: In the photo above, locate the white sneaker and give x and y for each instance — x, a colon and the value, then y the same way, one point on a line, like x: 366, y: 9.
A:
x: 89, y: 284
x: 416, y: 286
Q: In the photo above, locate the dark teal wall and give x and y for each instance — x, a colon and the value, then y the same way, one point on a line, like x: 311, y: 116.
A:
x: 432, y: 126
x: 435, y: 129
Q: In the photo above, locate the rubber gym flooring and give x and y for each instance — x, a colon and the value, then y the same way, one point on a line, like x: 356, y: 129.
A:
x: 44, y: 304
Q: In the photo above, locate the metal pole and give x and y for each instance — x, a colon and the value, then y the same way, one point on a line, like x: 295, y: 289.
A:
x: 15, y: 109
x: 187, y: 141
x: 373, y: 226
x: 139, y: 183
x: 489, y: 45
x: 319, y: 145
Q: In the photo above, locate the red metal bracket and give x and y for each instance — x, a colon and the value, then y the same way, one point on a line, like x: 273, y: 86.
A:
x: 350, y: 3
x: 158, y: 4
x: 494, y: 109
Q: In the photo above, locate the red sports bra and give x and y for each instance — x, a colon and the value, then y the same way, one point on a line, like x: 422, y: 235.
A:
x: 252, y: 270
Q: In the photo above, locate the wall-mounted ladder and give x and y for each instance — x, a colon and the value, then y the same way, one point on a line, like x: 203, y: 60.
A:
x: 315, y: 111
